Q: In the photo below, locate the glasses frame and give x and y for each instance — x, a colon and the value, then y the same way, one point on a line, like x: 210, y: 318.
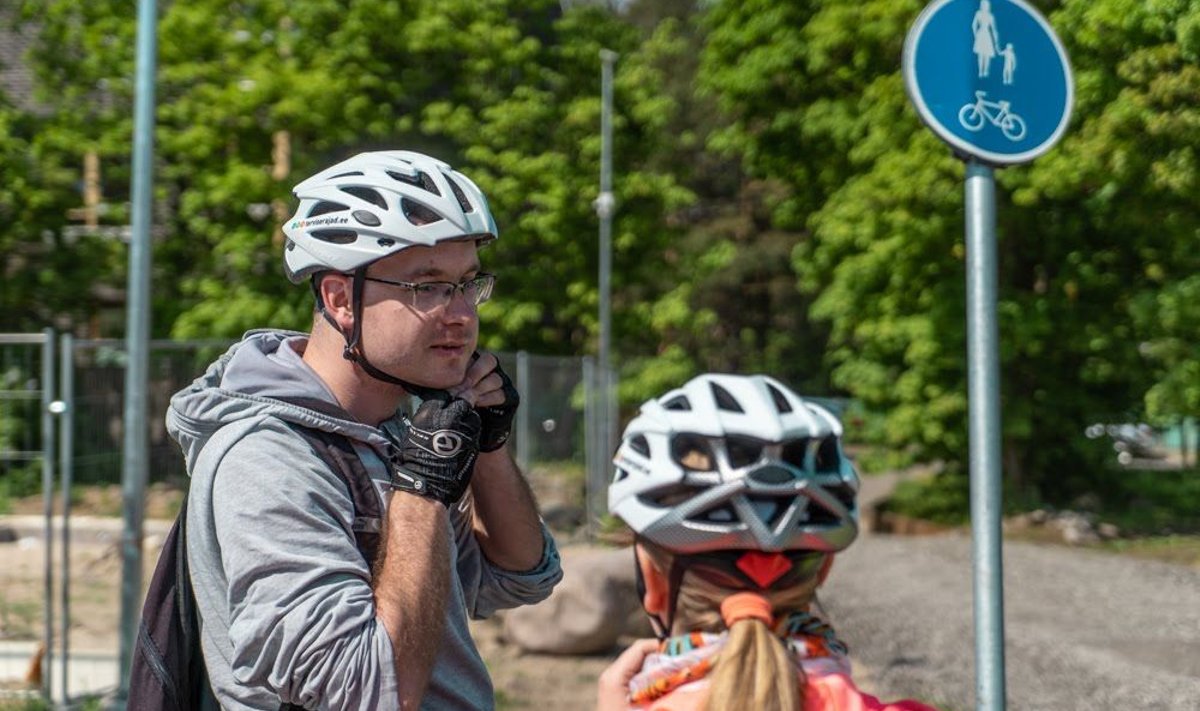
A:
x: 486, y: 281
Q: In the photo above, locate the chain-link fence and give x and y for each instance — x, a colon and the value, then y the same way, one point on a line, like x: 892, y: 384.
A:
x: 26, y: 469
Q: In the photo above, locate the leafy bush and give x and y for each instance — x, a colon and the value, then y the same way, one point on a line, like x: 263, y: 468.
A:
x: 944, y: 498
x: 18, y: 482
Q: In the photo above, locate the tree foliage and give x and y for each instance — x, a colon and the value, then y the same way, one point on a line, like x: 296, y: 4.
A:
x: 779, y: 207
x: 1087, y: 234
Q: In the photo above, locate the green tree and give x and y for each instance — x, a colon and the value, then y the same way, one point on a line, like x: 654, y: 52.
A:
x: 47, y: 274
x: 507, y: 91
x: 1086, y: 233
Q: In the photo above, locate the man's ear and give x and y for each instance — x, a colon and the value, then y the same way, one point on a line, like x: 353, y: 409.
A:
x: 655, y: 599
x: 337, y: 294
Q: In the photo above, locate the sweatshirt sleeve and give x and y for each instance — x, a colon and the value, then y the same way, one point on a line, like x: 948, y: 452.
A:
x: 300, y: 607
x: 488, y: 587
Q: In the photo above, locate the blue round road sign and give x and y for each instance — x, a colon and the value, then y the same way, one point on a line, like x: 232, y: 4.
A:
x: 989, y: 77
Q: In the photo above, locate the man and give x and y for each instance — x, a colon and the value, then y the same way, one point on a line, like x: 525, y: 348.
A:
x: 290, y: 610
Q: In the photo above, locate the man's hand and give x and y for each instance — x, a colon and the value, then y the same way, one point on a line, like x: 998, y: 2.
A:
x: 438, y: 452
x: 491, y: 391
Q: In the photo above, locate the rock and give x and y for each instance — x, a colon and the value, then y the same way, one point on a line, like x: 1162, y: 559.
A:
x: 8, y: 534
x: 563, y: 517
x: 1019, y: 522
x: 1109, y: 531
x: 1076, y: 529
x: 594, y: 605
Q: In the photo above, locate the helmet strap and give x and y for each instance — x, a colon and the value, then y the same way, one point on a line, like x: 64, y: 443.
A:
x: 353, y: 350
x: 662, y: 626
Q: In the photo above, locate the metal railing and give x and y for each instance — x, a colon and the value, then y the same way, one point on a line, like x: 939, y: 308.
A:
x: 26, y: 440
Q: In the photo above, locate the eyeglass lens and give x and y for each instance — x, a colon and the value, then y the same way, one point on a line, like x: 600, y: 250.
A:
x: 431, y: 295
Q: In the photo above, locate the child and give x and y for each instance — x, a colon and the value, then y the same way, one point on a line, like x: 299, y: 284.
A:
x: 739, y: 495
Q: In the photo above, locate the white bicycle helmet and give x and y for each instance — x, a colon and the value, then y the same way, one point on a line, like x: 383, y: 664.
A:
x: 730, y: 462
x: 377, y: 203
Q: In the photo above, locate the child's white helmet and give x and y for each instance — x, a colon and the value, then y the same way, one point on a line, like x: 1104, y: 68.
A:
x: 731, y: 462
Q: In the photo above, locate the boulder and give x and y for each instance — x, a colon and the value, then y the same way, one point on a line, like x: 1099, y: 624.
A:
x: 589, y: 611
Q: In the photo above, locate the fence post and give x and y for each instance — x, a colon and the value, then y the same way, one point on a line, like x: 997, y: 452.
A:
x: 48, y: 451
x: 524, y: 386
x: 66, y: 446
x: 594, y: 411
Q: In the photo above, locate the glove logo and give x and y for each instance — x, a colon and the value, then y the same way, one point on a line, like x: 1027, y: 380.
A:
x: 446, y: 443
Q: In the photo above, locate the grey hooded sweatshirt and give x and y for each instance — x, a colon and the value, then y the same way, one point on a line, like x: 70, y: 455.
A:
x: 284, y: 597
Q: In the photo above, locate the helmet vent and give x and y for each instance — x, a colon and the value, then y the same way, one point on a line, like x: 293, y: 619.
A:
x: 692, y: 452
x: 420, y: 180
x: 621, y: 475
x: 671, y: 496
x: 460, y: 196
x: 345, y: 175
x: 724, y: 400
x: 325, y: 207
x: 781, y: 402
x: 418, y: 214
x: 719, y: 514
x: 335, y: 236
x: 843, y: 493
x: 366, y: 217
x: 679, y: 402
x: 772, y: 475
x: 821, y: 516
x: 794, y: 452
x: 743, y: 451
x: 769, y: 508
x: 640, y: 445
x: 370, y: 195
x: 827, y: 455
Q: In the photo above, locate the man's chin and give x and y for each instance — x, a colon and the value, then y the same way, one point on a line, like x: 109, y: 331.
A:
x: 444, y: 379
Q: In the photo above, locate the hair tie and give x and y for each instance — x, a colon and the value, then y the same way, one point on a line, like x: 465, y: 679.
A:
x: 740, y: 606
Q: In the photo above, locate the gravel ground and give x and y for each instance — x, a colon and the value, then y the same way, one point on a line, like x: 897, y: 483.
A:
x: 1084, y: 630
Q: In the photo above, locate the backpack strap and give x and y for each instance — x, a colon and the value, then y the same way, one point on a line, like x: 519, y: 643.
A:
x: 337, y: 450
x: 339, y: 453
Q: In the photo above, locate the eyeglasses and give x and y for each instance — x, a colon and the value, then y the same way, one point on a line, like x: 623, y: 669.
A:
x: 430, y: 295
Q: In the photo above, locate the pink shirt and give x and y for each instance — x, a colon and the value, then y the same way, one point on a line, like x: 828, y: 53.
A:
x: 827, y: 692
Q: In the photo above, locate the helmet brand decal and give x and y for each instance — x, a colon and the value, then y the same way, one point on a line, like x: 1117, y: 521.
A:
x: 446, y: 443
x: 318, y: 221
x: 624, y: 461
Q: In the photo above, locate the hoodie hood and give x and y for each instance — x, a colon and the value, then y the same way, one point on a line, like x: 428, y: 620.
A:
x: 263, y: 375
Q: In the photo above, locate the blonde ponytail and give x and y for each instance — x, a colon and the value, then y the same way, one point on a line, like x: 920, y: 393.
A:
x: 755, y: 669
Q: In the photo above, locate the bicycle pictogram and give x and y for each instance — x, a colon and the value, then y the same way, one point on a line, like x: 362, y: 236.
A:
x: 973, y: 116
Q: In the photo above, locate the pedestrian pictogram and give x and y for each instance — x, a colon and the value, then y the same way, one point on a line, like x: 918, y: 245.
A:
x: 989, y: 77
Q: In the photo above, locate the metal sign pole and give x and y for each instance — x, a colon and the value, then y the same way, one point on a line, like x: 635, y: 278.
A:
x: 605, y: 205
x: 134, y: 468
x: 983, y: 373
x: 993, y: 81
